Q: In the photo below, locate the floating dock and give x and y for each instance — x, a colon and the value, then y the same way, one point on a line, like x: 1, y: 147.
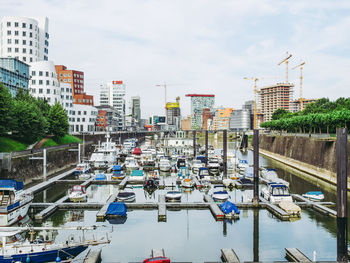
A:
x: 162, y: 208
x: 316, y: 205
x: 295, y: 255
x: 229, y: 255
x: 274, y: 209
x: 214, y: 208
x: 124, y: 182
x: 93, y: 256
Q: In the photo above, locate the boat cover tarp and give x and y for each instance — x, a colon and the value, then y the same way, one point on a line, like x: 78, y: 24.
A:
x: 10, y: 183
x: 201, y: 158
x: 227, y: 207
x: 117, y: 168
x: 137, y: 173
x: 116, y: 209
x: 314, y: 193
x: 100, y: 177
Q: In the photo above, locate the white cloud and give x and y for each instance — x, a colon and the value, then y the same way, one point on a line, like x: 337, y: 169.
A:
x: 207, y: 46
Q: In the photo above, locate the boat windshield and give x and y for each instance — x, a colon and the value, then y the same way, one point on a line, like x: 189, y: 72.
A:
x: 204, y: 172
x: 280, y: 191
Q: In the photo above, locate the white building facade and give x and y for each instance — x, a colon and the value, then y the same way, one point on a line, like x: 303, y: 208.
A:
x: 83, y: 118
x: 43, y: 83
x: 112, y: 94
x: 24, y: 38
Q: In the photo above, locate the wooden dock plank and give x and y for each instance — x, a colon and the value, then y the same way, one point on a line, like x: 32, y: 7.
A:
x: 214, y: 208
x: 315, y: 205
x: 124, y: 182
x: 157, y: 252
x: 280, y: 213
x: 229, y: 255
x: 295, y: 255
x: 161, y: 183
x: 46, y: 212
x: 161, y: 208
x: 93, y: 256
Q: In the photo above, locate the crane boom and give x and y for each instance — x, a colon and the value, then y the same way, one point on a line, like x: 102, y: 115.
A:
x: 301, y: 84
x: 286, y: 61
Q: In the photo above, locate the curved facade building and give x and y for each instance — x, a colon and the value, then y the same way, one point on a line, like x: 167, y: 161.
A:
x: 24, y: 38
x: 44, y: 83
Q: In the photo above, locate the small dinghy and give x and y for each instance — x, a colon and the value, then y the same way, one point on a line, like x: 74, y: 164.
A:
x: 173, y: 196
x: 314, y: 195
x: 187, y: 183
x: 77, y: 194
x: 230, y: 210
x: 127, y: 195
x: 221, y: 195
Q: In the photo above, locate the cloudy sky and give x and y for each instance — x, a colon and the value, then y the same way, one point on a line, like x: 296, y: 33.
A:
x: 197, y: 46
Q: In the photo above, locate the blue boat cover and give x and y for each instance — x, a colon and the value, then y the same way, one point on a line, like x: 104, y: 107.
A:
x: 137, y: 173
x: 314, y: 193
x: 100, y: 177
x: 201, y: 158
x: 117, y: 168
x: 116, y: 209
x: 228, y: 207
x: 243, y: 161
x: 10, y: 183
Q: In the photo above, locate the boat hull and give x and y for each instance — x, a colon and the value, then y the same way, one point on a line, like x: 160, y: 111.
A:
x: 44, y: 256
x: 11, y: 217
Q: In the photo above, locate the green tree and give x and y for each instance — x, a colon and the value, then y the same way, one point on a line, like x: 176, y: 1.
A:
x: 6, y: 110
x: 58, y: 121
x: 280, y: 113
x: 30, y: 123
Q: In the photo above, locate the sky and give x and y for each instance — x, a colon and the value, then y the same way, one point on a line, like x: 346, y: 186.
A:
x: 197, y: 46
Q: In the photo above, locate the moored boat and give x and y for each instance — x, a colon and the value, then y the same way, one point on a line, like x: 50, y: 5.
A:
x: 77, y: 194
x: 276, y: 193
x: 164, y: 165
x: 314, y: 195
x: 173, y: 196
x: 187, y: 183
x: 117, y: 174
x: 126, y: 195
x: 14, y: 202
x: 221, y: 195
x: 82, y: 168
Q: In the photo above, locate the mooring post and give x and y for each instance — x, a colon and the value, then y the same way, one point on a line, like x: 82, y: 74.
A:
x: 194, y: 143
x: 224, y: 146
x: 342, y: 206
x: 206, y: 147
x: 256, y: 236
x: 256, y: 167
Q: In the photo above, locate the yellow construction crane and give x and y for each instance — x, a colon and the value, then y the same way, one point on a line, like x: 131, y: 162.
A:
x: 301, y: 84
x: 286, y: 61
x: 255, y: 92
x: 165, y: 85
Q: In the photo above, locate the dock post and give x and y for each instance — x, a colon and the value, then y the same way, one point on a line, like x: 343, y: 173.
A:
x: 256, y: 235
x: 194, y: 143
x: 224, y: 146
x: 256, y: 167
x: 342, y: 207
x: 206, y: 147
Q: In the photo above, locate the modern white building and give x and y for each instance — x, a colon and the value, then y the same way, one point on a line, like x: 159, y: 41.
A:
x: 83, y: 118
x: 43, y: 83
x: 24, y: 38
x: 240, y: 120
x: 112, y: 94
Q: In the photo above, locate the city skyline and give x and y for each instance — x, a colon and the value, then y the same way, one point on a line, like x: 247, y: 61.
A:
x: 207, y: 47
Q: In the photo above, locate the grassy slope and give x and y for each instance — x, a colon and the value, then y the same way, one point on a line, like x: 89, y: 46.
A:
x: 64, y: 140
x: 10, y: 145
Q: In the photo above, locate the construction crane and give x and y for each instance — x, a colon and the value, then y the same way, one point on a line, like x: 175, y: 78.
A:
x: 255, y: 92
x: 165, y: 85
x: 286, y: 61
x: 301, y: 84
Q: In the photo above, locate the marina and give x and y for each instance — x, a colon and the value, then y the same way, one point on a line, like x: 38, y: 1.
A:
x: 196, y: 211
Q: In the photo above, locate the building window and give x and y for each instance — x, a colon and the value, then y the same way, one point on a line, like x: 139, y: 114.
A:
x: 33, y: 81
x: 33, y: 73
x: 64, y: 80
x: 16, y: 24
x: 16, y: 50
x: 9, y: 41
x: 16, y: 33
x: 61, y: 80
x: 30, y: 34
x: 30, y: 51
x: 80, y: 100
x: 47, y: 82
x: 40, y: 73
x: 30, y: 26
x: 24, y: 59
x: 30, y: 43
x: 24, y: 33
x: 9, y: 32
x: 48, y: 91
x: 24, y: 42
x: 24, y: 25
x: 85, y: 112
x: 24, y: 51
x: 31, y: 59
x: 47, y: 73
x: 78, y: 119
x: 40, y: 82
x: 8, y: 24
x: 79, y: 112
x: 8, y: 49
x: 69, y: 80
x: 40, y: 91
x: 65, y: 74
x: 69, y: 75
x: 16, y: 41
x: 61, y: 74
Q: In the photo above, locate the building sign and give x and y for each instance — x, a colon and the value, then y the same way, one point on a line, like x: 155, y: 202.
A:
x: 114, y: 82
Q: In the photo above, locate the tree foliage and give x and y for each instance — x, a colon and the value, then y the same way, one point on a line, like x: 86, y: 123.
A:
x: 281, y: 113
x: 6, y: 110
x: 58, y: 121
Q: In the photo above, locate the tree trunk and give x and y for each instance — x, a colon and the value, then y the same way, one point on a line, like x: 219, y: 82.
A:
x: 328, y: 129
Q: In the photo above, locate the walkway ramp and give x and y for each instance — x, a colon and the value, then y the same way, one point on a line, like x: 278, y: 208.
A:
x: 229, y: 255
x: 295, y: 255
x: 157, y: 252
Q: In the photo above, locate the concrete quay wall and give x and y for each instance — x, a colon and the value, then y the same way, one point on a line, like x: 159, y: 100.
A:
x: 316, y: 157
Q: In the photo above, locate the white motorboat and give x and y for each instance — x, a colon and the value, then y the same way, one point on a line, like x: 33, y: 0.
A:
x: 242, y: 164
x: 164, y: 165
x: 84, y: 176
x: 77, y: 194
x: 276, y: 192
x: 180, y: 163
x: 82, y: 168
x: 14, y: 202
x: 132, y: 165
x: 126, y: 195
x: 232, y: 164
x: 105, y: 154
x: 137, y: 175
x: 221, y: 195
x: 196, y: 165
x: 314, y: 195
x: 214, y: 166
x: 271, y: 176
x: 173, y: 196
x: 187, y: 183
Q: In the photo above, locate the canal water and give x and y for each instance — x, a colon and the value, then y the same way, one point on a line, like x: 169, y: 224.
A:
x: 194, y: 235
